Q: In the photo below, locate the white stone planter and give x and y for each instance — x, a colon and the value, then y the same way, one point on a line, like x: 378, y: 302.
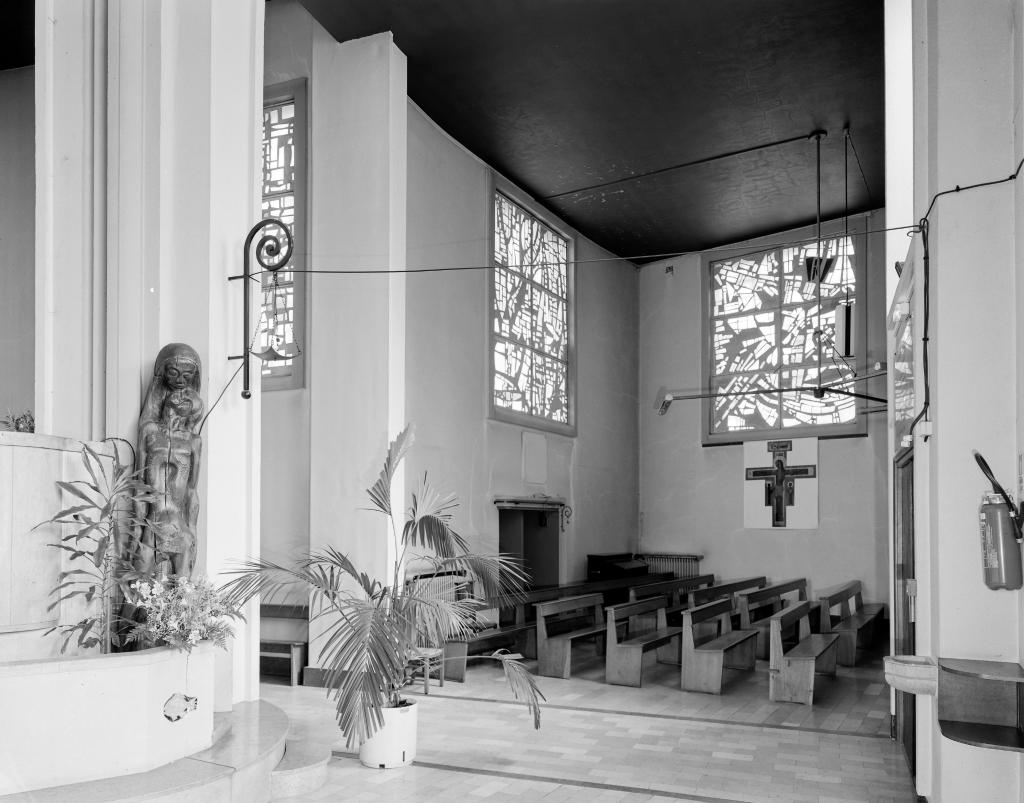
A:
x: 30, y: 465
x: 394, y: 745
x: 80, y: 719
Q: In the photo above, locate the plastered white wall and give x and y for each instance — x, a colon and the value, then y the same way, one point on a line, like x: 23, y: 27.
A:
x: 447, y: 367
x: 691, y: 496
x: 967, y: 105
x: 285, y: 435
x: 17, y: 240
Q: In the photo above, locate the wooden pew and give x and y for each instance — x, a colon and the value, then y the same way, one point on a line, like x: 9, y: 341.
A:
x: 791, y: 673
x: 517, y: 627
x: 855, y: 622
x: 454, y: 586
x: 729, y: 589
x: 758, y: 605
x: 705, y: 660
x: 624, y: 656
x: 677, y: 591
x: 518, y: 638
x: 581, y: 614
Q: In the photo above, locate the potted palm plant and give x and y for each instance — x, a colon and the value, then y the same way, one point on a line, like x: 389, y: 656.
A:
x: 374, y: 629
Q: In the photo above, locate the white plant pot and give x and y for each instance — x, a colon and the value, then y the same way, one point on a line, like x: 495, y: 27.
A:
x: 394, y: 745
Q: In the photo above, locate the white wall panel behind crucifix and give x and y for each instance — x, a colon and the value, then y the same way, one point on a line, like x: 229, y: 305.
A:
x: 780, y: 484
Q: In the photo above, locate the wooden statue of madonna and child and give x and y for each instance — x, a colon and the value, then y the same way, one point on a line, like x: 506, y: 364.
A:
x: 169, y: 454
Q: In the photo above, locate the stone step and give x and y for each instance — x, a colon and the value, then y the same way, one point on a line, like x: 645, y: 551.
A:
x: 235, y: 768
x: 302, y: 770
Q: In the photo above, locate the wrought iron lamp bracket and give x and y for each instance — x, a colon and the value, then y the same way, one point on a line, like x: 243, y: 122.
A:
x: 273, y: 252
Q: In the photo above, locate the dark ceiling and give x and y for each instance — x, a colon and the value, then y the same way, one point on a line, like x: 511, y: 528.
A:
x: 19, y: 48
x: 563, y: 95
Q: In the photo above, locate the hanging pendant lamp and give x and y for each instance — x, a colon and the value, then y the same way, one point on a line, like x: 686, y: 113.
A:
x: 817, y: 267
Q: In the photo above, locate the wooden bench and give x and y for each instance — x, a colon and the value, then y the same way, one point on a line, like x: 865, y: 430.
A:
x: 704, y: 660
x: 855, y: 622
x: 791, y: 672
x: 516, y: 627
x: 729, y: 589
x: 518, y: 638
x: 284, y: 635
x: 624, y: 656
x: 560, y: 622
x: 677, y: 591
x: 757, y: 606
x: 295, y: 651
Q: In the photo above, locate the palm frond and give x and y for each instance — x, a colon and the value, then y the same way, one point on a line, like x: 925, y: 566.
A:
x: 371, y: 631
x: 360, y: 655
x: 497, y: 580
x: 429, y: 523
x: 380, y: 491
x: 524, y: 685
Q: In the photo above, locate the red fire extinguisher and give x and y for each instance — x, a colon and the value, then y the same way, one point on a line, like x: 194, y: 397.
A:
x: 1000, y: 523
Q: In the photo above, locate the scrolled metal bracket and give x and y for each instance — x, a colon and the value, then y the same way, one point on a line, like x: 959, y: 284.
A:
x: 566, y: 514
x: 273, y: 252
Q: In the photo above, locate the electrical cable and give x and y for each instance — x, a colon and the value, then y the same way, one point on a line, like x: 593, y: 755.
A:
x: 737, y: 247
x: 680, y: 166
x: 922, y: 229
x: 926, y: 303
x: 867, y: 186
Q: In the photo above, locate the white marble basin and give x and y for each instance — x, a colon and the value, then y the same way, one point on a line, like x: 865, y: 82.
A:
x: 915, y: 674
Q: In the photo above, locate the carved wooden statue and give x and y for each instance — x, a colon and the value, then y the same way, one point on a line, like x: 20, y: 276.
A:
x: 169, y: 453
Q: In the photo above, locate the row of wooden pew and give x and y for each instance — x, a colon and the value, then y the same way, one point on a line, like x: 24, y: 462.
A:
x: 707, y: 628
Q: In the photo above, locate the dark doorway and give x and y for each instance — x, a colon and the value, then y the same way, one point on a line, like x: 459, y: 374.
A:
x: 533, y: 536
x: 904, y: 594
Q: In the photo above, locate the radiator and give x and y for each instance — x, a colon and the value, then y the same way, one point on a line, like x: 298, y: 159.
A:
x: 679, y: 565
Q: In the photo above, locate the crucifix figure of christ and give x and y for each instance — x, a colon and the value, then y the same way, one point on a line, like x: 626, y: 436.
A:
x: 780, y: 480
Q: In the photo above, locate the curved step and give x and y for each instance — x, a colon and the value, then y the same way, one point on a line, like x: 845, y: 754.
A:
x: 236, y: 768
x: 302, y: 770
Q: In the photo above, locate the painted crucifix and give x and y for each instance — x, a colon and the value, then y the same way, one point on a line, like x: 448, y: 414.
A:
x: 780, y: 480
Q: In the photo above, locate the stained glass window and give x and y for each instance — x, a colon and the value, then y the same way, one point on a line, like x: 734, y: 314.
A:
x: 530, y: 316
x: 281, y: 319
x: 767, y: 321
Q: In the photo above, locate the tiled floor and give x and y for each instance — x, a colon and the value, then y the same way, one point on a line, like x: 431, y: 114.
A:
x: 612, y: 743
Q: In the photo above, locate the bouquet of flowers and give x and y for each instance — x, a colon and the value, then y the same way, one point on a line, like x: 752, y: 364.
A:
x: 181, y: 612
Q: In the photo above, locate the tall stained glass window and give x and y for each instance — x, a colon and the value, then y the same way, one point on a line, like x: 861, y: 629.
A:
x: 763, y: 316
x: 281, y: 323
x: 530, y: 317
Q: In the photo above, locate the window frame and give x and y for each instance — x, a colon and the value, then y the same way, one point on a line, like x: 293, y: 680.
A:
x: 499, y: 186
x: 857, y: 229
x: 293, y: 377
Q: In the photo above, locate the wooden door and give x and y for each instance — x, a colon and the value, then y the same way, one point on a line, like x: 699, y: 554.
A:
x: 904, y: 593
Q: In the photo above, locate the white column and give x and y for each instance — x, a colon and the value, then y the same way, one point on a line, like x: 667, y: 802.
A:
x: 357, y: 171
x: 168, y: 179
x: 70, y: 216
x: 964, y: 118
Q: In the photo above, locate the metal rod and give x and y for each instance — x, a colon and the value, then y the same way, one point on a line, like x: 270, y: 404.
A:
x: 272, y: 256
x: 682, y: 165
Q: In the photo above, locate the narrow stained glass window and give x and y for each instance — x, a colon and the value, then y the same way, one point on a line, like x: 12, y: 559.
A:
x: 530, y: 316
x: 283, y: 174
x: 764, y: 315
